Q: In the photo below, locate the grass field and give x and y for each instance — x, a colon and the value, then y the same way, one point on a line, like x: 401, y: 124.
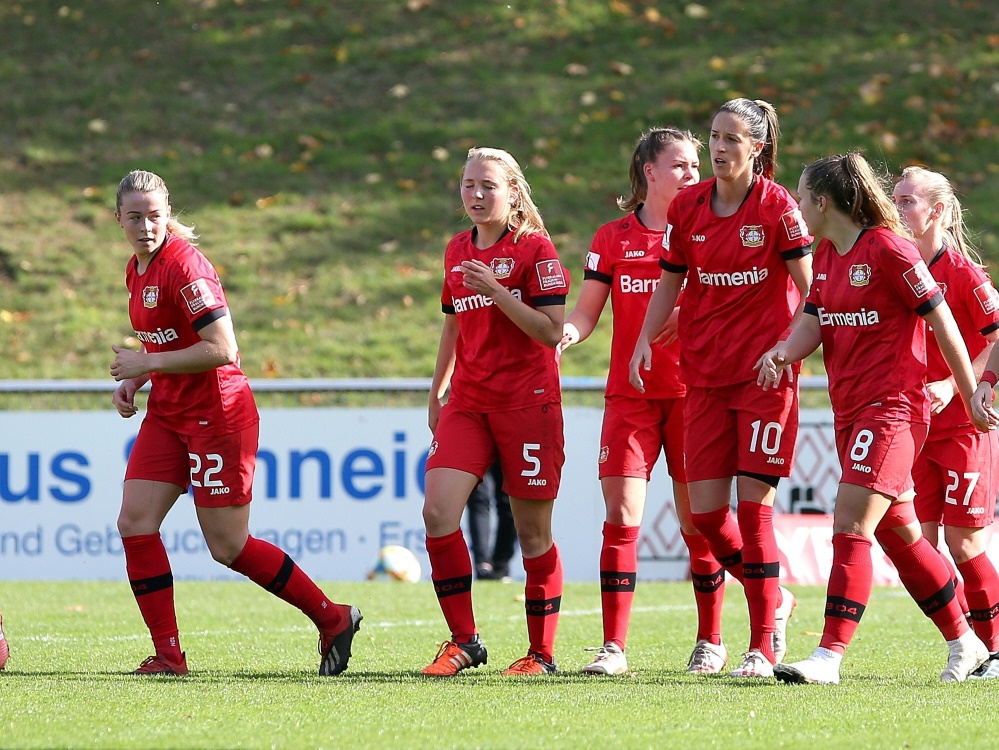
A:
x: 253, y: 682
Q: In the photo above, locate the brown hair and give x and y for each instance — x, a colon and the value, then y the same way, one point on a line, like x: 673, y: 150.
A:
x: 761, y: 121
x: 852, y: 186
x: 651, y: 143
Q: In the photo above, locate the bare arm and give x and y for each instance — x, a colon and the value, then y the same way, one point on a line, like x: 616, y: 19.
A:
x: 941, y: 392
x: 661, y: 306
x: 800, y: 270
x: 216, y: 348
x: 579, y: 323
x: 804, y: 339
x: 543, y: 324
x: 952, y: 347
x: 443, y: 369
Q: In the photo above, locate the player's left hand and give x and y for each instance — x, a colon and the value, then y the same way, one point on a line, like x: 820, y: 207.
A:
x: 773, y: 366
x: 982, y: 413
x: 127, y: 363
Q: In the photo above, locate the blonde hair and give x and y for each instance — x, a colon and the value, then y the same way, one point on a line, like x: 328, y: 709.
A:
x: 852, y: 186
x: 937, y: 189
x: 138, y: 181
x: 761, y: 121
x: 524, y: 217
x: 651, y: 143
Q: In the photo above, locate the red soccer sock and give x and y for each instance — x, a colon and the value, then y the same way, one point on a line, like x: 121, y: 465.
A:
x: 708, y: 579
x: 959, y: 591
x: 272, y: 569
x: 724, y: 538
x: 148, y: 570
x: 981, y: 583
x: 451, y: 572
x: 618, y: 570
x: 542, y: 600
x: 849, y: 590
x: 761, y: 568
x: 927, y: 580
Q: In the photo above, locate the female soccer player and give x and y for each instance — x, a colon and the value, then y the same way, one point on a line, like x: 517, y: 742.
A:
x: 955, y: 478
x: 623, y: 264
x: 865, y: 307
x: 504, y: 303
x: 738, y: 240
x: 200, y: 429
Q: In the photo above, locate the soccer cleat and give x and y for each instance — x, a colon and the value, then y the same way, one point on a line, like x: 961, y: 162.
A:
x: 988, y: 671
x: 334, y: 648
x: 781, y: 616
x: 754, y: 664
x: 815, y: 670
x: 610, y: 659
x: 159, y: 664
x: 707, y: 658
x: 967, y: 654
x: 454, y: 657
x: 532, y: 664
x: 4, y: 646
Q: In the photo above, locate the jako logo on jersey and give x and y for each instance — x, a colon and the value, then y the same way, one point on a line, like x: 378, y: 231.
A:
x: 478, y: 301
x: 150, y: 296
x: 592, y: 261
x: 735, y: 278
x: 751, y: 236
x: 698, y: 238
x: 860, y: 275
x: 458, y: 269
x: 198, y: 296
x: 919, y: 279
x: 634, y: 254
x: 501, y: 267
x: 862, y: 318
x: 987, y: 297
x: 794, y: 225
x: 159, y: 336
x: 550, y: 275
x: 638, y: 286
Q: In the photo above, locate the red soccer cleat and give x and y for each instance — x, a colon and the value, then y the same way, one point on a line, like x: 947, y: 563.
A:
x: 159, y: 664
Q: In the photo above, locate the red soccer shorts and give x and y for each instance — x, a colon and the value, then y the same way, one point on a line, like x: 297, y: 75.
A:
x: 529, y: 443
x: 740, y: 428
x: 218, y: 467
x: 956, y: 481
x: 635, y: 430
x: 878, y: 454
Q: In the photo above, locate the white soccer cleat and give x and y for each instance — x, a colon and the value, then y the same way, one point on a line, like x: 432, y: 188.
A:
x: 609, y: 660
x: 821, y: 668
x: 967, y: 653
x: 707, y: 658
x: 781, y: 616
x: 988, y: 671
x: 754, y: 664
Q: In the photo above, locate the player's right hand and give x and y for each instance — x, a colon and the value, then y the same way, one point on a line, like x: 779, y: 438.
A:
x: 123, y: 399
x: 570, y: 335
x: 640, y: 360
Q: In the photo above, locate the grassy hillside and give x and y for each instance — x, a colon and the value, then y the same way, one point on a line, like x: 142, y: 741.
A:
x: 316, y: 144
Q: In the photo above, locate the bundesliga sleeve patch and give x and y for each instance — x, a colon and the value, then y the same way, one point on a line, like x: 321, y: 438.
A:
x: 794, y: 225
x: 198, y: 296
x: 919, y: 279
x: 550, y: 275
x: 592, y: 261
x: 987, y: 297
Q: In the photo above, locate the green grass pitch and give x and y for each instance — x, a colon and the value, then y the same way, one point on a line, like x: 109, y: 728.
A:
x: 254, y: 681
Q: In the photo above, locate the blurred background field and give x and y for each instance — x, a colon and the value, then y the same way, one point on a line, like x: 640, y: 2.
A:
x: 316, y: 145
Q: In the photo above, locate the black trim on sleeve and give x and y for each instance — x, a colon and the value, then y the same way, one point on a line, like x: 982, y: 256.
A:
x: 811, y: 309
x: 209, y: 317
x: 597, y: 276
x: 929, y: 304
x: 797, y: 252
x: 989, y: 329
x: 548, y: 300
x: 447, y: 309
x: 672, y: 267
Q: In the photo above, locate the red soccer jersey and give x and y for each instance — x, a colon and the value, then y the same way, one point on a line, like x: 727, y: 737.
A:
x: 178, y: 294
x: 869, y: 303
x: 975, y: 304
x: 498, y: 366
x: 739, y: 297
x: 625, y: 255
